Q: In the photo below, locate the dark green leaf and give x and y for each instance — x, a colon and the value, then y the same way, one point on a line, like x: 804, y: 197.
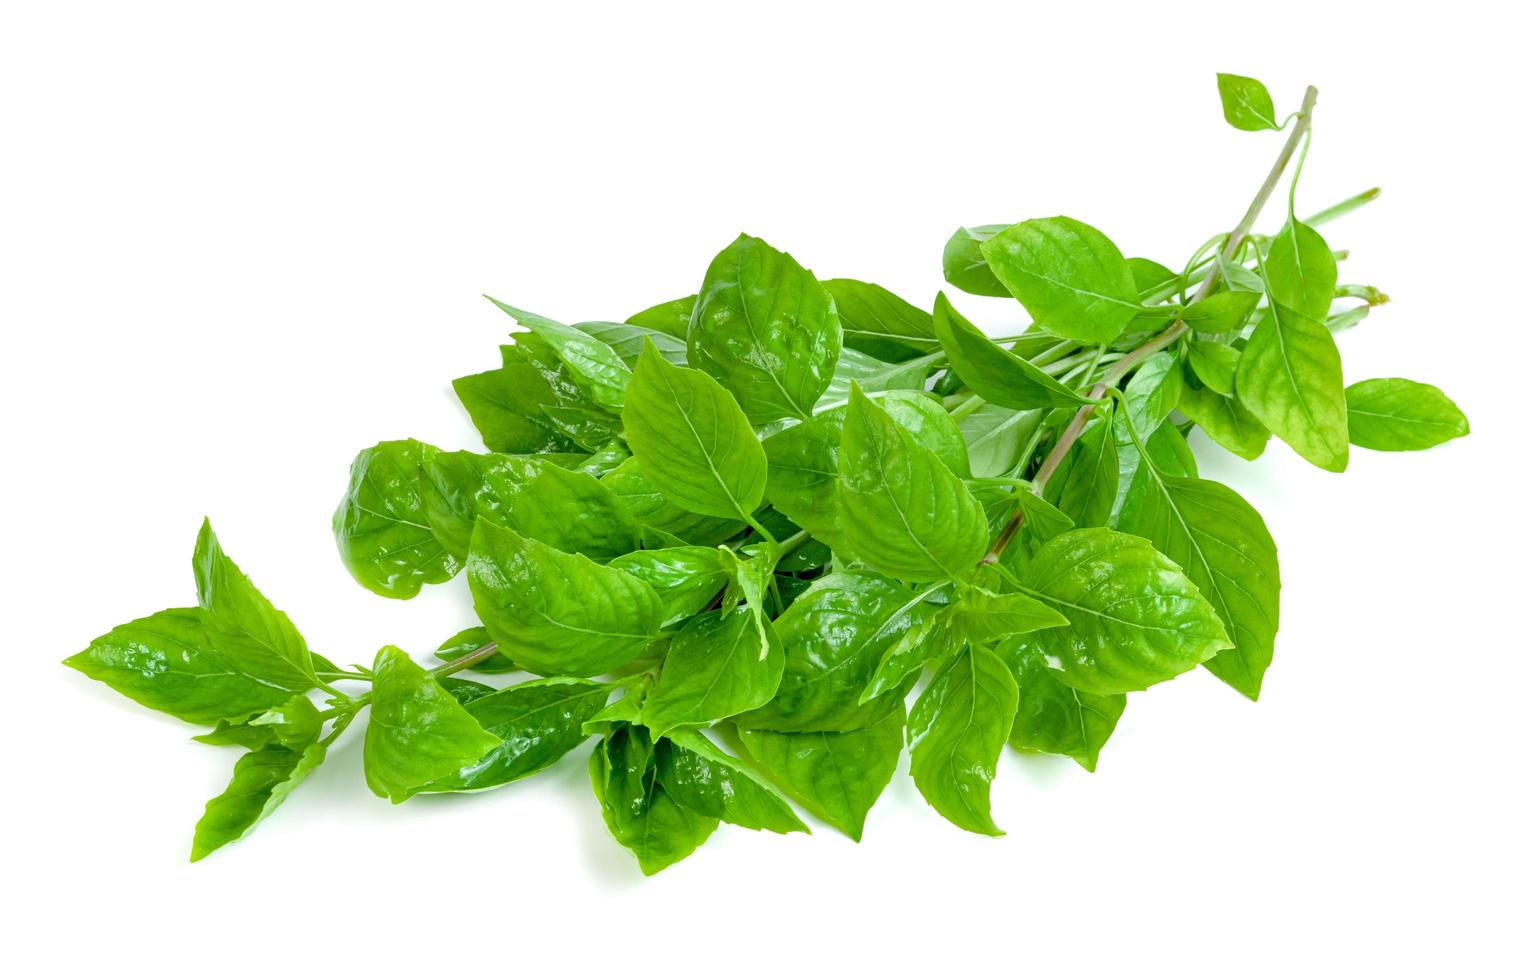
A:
x: 558, y: 614
x: 652, y: 510
x: 1396, y: 414
x: 691, y: 440
x: 964, y: 265
x: 992, y: 372
x: 957, y: 729
x: 685, y: 578
x: 1135, y: 619
x: 877, y: 322
x: 1071, y: 277
x: 1246, y: 103
x: 506, y: 406
x: 715, y: 668
x: 902, y: 511
x: 766, y: 329
x: 537, y: 723
x: 641, y: 815
x: 702, y: 777
x: 837, y: 776
x: 417, y: 733
x: 565, y: 509
x: 833, y: 638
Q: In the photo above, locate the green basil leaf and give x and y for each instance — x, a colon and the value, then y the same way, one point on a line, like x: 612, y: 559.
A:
x: 165, y: 661
x: 506, y: 406
x: 902, y: 511
x: 691, y: 440
x: 465, y: 691
x: 1221, y: 312
x: 641, y: 815
x: 418, y: 733
x: 957, y: 729
x: 1042, y: 522
x: 1054, y: 717
x: 1222, y: 545
x: 1247, y: 105
x: 1214, y: 364
x: 685, y: 578
x: 262, y: 780
x: 1225, y: 421
x: 294, y: 723
x: 380, y: 525
x: 964, y: 265
x: 595, y: 366
x: 1301, y: 271
x: 982, y: 616
x: 672, y: 317
x: 837, y: 776
x: 704, y: 778
x: 1086, y: 485
x: 833, y: 638
x: 877, y: 322
x: 565, y: 509
x: 627, y: 340
x: 1135, y: 619
x: 1290, y: 379
x: 1071, y: 278
x: 537, y: 722
x: 992, y: 372
x: 558, y: 614
x: 1395, y: 414
x: 1153, y: 391
x: 997, y: 437
x: 652, y: 510
x: 871, y: 374
x: 766, y: 329
x: 928, y: 639
x: 242, y: 625
x: 714, y: 669
x: 469, y: 640
x: 1151, y: 278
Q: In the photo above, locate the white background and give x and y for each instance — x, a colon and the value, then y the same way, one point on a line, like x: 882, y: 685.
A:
x: 241, y: 242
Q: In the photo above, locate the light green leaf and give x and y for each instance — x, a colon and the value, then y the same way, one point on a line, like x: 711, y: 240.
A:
x: 1214, y: 364
x: 262, y: 779
x: 1135, y: 619
x: 1086, y: 484
x: 691, y: 440
x: 1395, y: 414
x: 537, y: 723
x: 1222, y: 545
x: 766, y: 329
x: 469, y: 640
x: 1221, y: 312
x: 902, y: 511
x: 650, y: 508
x: 295, y: 723
x: 685, y: 578
x: 558, y: 614
x: 166, y: 662
x: 957, y: 729
x: 837, y: 776
x: 963, y: 261
x: 997, y: 437
x: 380, y: 525
x: 1301, y: 271
x: 672, y: 317
x: 417, y: 733
x: 981, y: 616
x: 1290, y: 379
x: 877, y: 322
x: 506, y: 406
x: 1153, y: 391
x: 1071, y: 277
x: 627, y: 340
x: 1054, y: 717
x: 1225, y: 421
x: 871, y: 374
x: 1247, y: 105
x: 702, y: 777
x: 242, y: 625
x: 713, y: 669
x: 991, y: 371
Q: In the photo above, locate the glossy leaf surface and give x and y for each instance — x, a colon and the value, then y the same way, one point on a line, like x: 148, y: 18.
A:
x: 417, y: 733
x: 877, y: 322
x: 1290, y: 380
x: 243, y: 625
x: 639, y: 812
x: 537, y: 723
x: 1054, y: 717
x: 380, y: 525
x: 958, y: 727
x: 262, y: 779
x: 713, y: 669
x: 704, y: 778
x: 992, y: 372
x: 1070, y: 276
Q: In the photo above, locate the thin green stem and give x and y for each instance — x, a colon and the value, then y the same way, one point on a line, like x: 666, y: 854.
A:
x: 966, y: 408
